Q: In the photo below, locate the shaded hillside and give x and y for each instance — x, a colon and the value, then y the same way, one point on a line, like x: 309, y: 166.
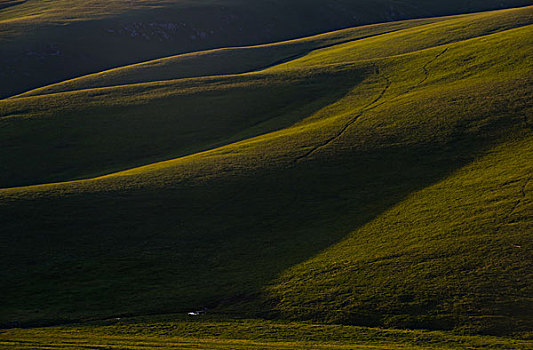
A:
x: 403, y: 199
x: 43, y: 42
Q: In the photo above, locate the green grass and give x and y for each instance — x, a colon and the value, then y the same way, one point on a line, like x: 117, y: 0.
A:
x: 225, y: 61
x: 366, y: 42
x: 239, y: 334
x: 126, y: 119
x: 389, y: 190
x: 44, y: 42
x: 88, y: 133
x: 369, y: 278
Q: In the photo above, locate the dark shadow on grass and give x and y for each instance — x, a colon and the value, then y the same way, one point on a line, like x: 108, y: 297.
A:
x: 214, y: 242
x: 90, y: 141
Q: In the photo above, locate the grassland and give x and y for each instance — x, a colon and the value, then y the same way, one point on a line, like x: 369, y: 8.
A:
x: 376, y: 177
x: 239, y: 334
x: 44, y: 42
x: 119, y: 114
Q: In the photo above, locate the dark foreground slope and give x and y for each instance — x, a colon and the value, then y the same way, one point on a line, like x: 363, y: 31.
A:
x: 402, y: 201
x: 43, y: 42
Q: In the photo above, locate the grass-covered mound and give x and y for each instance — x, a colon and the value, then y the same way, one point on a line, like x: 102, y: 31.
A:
x: 373, y: 184
x: 146, y: 115
x: 43, y: 42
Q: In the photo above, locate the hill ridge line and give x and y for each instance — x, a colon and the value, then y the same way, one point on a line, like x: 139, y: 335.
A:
x: 261, y: 70
x: 423, y: 22
x: 254, y: 70
x: 365, y: 109
x: 121, y: 172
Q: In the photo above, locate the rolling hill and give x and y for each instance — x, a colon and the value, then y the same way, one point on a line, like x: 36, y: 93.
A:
x: 44, y: 42
x: 86, y: 130
x: 376, y: 176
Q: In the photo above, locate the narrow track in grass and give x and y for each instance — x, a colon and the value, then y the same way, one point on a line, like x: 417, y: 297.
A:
x: 372, y: 105
x: 425, y: 67
x: 505, y: 219
x: 523, y: 193
x: 426, y: 71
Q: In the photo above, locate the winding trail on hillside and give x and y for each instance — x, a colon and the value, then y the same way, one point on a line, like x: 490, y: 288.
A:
x: 523, y: 194
x: 425, y: 67
x: 505, y: 219
x: 370, y: 106
x: 426, y: 71
x: 367, y: 108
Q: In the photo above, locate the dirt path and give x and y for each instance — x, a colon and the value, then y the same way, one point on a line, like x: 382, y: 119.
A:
x: 370, y: 106
x: 365, y: 109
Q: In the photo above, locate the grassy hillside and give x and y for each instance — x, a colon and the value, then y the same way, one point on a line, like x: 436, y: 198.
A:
x: 43, y: 42
x: 399, y: 197
x: 388, y: 39
x: 88, y: 133
x: 182, y: 333
x: 457, y: 250
x: 92, y: 131
x: 223, y: 61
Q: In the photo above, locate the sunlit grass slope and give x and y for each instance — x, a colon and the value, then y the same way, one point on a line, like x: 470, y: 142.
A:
x: 181, y: 333
x: 97, y: 131
x: 92, y: 132
x: 226, y: 60
x: 401, y: 197
x: 380, y: 40
x: 44, y: 42
x: 456, y: 251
